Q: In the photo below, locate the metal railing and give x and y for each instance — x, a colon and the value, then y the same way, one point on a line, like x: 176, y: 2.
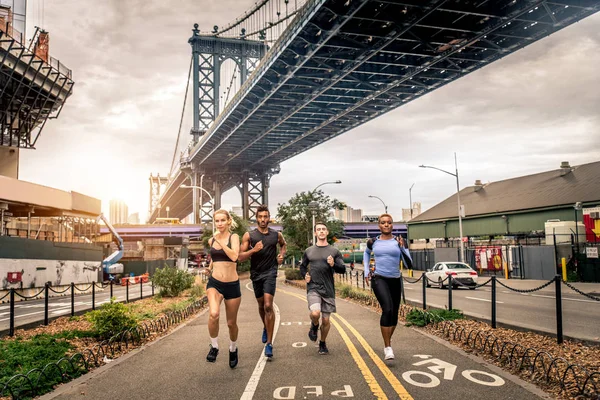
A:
x: 357, y: 279
x: 71, y: 289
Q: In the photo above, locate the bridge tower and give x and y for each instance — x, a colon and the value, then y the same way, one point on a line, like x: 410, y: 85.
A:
x: 209, y: 53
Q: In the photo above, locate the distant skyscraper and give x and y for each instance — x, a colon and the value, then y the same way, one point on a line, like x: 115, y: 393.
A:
x: 239, y: 211
x: 118, y: 212
x: 348, y: 214
x: 416, y: 210
x: 134, y: 219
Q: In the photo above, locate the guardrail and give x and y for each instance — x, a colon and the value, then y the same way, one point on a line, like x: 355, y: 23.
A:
x: 44, y: 293
x: 357, y: 279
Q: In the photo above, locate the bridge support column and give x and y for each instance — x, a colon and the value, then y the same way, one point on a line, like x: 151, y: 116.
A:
x: 265, y: 188
x: 245, y: 196
x: 196, y: 214
x: 217, y: 197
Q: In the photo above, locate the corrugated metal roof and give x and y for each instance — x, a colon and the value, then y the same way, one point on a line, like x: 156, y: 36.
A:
x: 547, y: 189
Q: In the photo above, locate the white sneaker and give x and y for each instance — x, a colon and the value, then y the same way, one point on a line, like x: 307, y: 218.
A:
x: 389, y: 353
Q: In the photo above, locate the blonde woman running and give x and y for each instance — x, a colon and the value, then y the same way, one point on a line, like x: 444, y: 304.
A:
x: 223, y: 284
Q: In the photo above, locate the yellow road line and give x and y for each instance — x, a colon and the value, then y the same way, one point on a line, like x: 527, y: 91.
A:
x: 389, y: 375
x: 362, y: 366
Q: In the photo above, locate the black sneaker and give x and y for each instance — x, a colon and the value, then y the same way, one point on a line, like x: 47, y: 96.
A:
x: 212, y: 354
x: 312, y: 332
x: 233, y: 358
x: 323, y: 348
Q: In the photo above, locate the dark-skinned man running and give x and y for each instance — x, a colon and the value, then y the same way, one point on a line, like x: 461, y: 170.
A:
x: 260, y: 246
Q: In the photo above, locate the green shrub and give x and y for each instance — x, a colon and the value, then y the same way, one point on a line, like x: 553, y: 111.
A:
x: 293, y: 274
x: 172, y: 281
x: 420, y: 317
x: 111, y: 319
x: 197, y: 291
x: 243, y: 266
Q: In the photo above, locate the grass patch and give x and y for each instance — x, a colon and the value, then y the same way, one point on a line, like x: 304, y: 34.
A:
x: 418, y: 317
x: 180, y: 306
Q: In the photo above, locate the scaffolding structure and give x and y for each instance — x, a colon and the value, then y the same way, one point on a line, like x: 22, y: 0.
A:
x: 33, y: 85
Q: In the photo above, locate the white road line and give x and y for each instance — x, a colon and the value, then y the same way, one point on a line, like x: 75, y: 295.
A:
x: 488, y: 300
x: 58, y: 312
x: 22, y: 315
x: 262, y: 360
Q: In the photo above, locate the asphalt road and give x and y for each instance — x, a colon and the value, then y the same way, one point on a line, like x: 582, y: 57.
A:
x: 174, y: 367
x: 535, y: 311
x: 32, y: 311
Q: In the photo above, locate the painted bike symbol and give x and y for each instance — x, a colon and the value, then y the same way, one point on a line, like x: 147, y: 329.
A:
x: 447, y: 370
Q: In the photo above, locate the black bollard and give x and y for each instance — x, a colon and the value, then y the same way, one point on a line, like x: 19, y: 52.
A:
x: 11, y: 328
x: 72, y: 299
x: 93, y: 295
x: 450, y: 292
x: 141, y: 288
x: 424, y: 292
x: 494, y: 302
x: 559, y: 324
x: 46, y: 295
x: 127, y: 291
x: 111, y: 289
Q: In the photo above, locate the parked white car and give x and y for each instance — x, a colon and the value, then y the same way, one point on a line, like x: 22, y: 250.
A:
x: 460, y: 272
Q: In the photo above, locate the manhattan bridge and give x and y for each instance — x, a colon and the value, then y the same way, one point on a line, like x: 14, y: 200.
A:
x: 289, y: 75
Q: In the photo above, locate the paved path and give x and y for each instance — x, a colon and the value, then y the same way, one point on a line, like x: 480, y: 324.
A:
x: 174, y: 367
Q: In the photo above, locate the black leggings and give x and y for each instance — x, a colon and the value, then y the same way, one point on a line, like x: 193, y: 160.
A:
x: 387, y: 291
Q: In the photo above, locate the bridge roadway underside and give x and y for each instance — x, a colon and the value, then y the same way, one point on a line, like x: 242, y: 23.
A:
x: 342, y: 63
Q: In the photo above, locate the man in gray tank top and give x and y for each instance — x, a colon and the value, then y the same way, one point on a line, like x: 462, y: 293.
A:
x: 260, y: 246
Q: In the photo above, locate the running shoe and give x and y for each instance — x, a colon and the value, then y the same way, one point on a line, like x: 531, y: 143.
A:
x: 264, y: 337
x: 233, y: 358
x: 389, y: 353
x: 312, y: 332
x: 212, y: 354
x: 269, y: 351
x: 323, y: 348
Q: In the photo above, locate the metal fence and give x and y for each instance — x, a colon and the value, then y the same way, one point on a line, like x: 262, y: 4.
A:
x: 357, y: 279
x: 72, y: 289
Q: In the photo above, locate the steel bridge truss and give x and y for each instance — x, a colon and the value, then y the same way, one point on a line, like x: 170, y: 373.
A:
x: 341, y: 64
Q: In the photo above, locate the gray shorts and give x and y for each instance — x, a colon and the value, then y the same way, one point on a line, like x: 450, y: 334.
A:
x: 316, y: 302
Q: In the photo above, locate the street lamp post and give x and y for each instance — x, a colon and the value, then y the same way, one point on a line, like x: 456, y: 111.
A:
x: 313, y: 206
x: 460, y: 228
x: 577, y: 207
x: 410, y: 200
x: 209, y: 196
x: 378, y: 198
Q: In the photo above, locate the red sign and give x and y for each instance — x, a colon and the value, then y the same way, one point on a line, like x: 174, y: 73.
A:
x: 14, y: 277
x: 488, y: 257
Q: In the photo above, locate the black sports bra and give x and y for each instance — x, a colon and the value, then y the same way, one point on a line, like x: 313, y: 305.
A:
x: 219, y: 254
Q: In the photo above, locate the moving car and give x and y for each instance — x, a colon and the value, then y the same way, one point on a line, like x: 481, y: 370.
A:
x: 460, y: 272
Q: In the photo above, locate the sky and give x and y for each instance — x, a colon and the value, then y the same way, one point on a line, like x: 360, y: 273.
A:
x: 521, y: 115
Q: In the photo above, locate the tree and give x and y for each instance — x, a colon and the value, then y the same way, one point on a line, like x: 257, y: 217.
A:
x: 240, y: 229
x: 296, y: 218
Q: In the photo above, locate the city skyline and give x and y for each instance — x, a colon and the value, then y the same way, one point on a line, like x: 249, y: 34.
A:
x: 521, y: 115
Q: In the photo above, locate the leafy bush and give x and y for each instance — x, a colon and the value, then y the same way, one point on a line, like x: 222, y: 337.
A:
x: 172, y: 281
x: 293, y: 274
x: 243, y: 266
x: 197, y: 291
x: 111, y: 319
x: 420, y: 317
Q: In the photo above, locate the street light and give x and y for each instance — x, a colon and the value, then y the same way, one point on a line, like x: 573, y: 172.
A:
x: 209, y: 196
x: 326, y: 183
x: 384, y: 206
x: 577, y: 207
x: 410, y: 199
x: 313, y: 206
x: 460, y: 228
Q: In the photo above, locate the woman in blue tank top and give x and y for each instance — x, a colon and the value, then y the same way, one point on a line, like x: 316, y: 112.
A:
x: 387, y: 251
x: 223, y: 284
